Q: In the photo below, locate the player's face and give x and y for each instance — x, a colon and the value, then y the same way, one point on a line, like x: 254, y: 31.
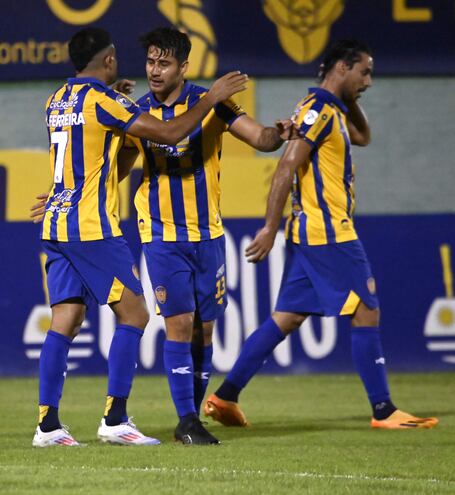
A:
x: 359, y: 78
x: 164, y: 72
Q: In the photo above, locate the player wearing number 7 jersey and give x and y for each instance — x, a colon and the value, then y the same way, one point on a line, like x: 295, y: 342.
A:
x: 87, y: 257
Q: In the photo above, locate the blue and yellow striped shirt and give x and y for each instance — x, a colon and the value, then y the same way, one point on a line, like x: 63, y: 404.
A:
x: 179, y: 196
x: 86, y: 122
x: 322, y: 194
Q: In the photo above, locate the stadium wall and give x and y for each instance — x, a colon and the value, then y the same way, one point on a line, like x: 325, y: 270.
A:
x: 404, y: 194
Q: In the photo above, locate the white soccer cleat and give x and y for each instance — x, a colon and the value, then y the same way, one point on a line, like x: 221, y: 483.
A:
x: 60, y: 437
x: 124, y: 434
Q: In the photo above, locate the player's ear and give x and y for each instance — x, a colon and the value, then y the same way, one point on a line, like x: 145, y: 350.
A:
x: 184, y: 67
x: 341, y: 67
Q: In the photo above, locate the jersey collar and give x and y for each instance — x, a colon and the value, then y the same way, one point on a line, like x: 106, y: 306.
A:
x: 181, y: 98
x: 328, y: 97
x: 86, y: 80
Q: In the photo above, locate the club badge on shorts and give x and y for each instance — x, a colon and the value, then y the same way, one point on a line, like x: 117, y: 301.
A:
x: 161, y: 294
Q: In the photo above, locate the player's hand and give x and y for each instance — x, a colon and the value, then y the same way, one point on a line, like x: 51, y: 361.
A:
x: 226, y: 86
x: 261, y: 245
x: 125, y: 86
x: 38, y: 210
x: 288, y: 129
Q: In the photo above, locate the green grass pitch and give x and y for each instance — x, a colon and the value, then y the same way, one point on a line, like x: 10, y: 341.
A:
x: 309, y: 435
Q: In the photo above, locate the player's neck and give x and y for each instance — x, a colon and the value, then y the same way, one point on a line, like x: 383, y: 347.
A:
x: 93, y: 74
x: 169, y: 97
x: 331, y: 86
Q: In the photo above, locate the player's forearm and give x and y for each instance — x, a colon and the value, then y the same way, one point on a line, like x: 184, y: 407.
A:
x: 269, y: 139
x: 359, y: 120
x: 279, y: 191
x: 182, y: 126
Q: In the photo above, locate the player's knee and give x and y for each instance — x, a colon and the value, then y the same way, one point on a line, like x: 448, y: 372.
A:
x: 287, y: 322
x: 366, y: 317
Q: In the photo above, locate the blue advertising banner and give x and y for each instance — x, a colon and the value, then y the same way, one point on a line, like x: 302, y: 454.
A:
x: 410, y: 256
x: 260, y: 37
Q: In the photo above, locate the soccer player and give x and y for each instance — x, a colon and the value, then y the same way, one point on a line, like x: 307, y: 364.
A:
x: 326, y: 270
x: 87, y: 256
x: 179, y: 220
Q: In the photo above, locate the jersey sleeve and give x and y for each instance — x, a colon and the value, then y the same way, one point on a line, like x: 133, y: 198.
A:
x: 314, y: 120
x: 228, y: 111
x: 114, y: 109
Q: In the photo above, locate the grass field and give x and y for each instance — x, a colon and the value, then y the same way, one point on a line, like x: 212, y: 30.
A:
x: 310, y: 434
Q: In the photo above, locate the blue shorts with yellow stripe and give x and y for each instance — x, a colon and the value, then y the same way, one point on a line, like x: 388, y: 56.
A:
x: 328, y: 280
x: 188, y: 276
x: 91, y: 269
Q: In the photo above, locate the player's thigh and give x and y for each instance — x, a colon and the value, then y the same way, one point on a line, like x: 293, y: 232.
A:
x: 171, y: 270
x: 210, y: 279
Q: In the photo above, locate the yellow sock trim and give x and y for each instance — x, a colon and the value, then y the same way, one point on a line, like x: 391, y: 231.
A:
x: 351, y: 304
x: 109, y: 401
x: 43, y: 410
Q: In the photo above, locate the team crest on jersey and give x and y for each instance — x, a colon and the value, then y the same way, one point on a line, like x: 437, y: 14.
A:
x: 124, y: 101
x: 371, y: 284
x: 161, y: 294
x: 310, y: 117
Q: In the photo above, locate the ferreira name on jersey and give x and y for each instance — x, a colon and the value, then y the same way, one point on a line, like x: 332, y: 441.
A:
x: 86, y: 122
x: 179, y: 196
x: 322, y: 193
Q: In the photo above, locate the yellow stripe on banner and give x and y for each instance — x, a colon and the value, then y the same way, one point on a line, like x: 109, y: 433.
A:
x: 43, y: 410
x: 351, y: 304
x: 447, y: 269
x: 115, y: 294
x: 109, y: 401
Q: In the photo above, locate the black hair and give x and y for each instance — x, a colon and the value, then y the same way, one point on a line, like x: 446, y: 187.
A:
x: 170, y: 41
x: 85, y: 44
x: 349, y: 51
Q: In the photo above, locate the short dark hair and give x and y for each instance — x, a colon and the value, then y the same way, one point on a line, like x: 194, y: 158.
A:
x: 170, y: 41
x: 85, y: 44
x: 350, y: 51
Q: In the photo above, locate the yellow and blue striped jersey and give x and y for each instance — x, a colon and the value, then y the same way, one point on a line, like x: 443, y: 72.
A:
x: 86, y: 123
x: 322, y: 193
x: 179, y: 196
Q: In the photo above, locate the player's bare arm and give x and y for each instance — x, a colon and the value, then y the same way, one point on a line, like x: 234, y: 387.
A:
x: 174, y: 130
x: 260, y: 137
x: 295, y: 155
x: 125, y: 161
x: 125, y: 86
x: 358, y: 126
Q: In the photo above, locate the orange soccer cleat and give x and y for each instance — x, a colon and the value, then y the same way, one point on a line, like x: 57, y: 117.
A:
x: 225, y: 412
x: 400, y: 420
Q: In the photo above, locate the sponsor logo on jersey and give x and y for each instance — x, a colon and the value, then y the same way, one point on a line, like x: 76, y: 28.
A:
x: 64, y: 105
x: 61, y: 202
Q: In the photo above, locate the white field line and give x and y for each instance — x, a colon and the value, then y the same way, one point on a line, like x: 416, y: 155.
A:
x: 238, y: 472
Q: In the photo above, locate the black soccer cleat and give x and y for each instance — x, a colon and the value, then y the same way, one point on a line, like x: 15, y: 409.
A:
x: 191, y: 432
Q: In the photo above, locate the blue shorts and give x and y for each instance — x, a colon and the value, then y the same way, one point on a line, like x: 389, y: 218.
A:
x: 90, y: 269
x: 188, y: 276
x: 327, y: 280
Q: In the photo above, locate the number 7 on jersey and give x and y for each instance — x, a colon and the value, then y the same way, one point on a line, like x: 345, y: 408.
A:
x: 60, y: 139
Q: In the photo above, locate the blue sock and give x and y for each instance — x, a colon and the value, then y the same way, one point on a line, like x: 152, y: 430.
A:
x: 202, y: 362
x: 52, y: 368
x: 122, y: 360
x: 178, y: 364
x: 370, y: 363
x: 256, y: 349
